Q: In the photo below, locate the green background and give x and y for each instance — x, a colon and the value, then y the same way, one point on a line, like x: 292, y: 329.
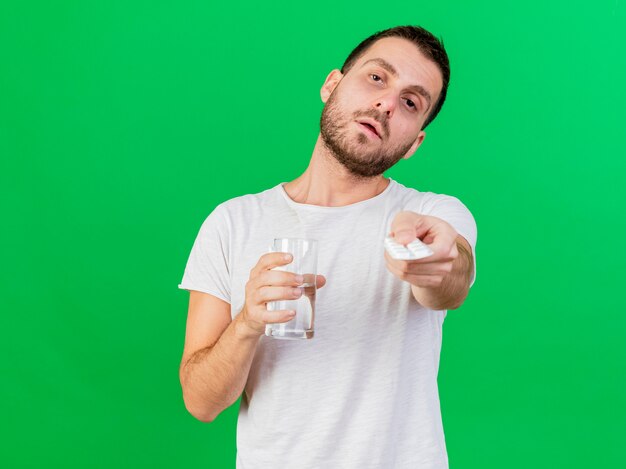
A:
x: 123, y: 124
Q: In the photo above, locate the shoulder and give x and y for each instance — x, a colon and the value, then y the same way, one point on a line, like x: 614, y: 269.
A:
x: 425, y: 202
x: 246, y: 204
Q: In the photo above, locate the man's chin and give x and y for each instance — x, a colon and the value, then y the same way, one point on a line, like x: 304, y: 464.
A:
x: 355, y: 161
x: 360, y: 170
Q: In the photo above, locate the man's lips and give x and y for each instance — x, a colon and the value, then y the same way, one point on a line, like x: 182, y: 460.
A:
x: 370, y: 129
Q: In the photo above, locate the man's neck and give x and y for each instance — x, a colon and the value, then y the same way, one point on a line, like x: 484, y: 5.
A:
x: 327, y: 183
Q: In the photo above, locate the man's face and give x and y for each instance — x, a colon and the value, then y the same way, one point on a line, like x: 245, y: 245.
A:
x: 397, y: 104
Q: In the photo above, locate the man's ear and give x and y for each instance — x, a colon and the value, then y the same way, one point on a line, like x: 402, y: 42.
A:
x: 332, y: 80
x: 416, y: 144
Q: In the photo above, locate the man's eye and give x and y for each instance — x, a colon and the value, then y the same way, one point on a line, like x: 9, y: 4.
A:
x: 374, y: 77
x: 411, y: 104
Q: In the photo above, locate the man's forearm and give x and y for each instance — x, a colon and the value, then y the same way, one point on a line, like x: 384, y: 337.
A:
x: 214, y: 377
x: 454, y: 287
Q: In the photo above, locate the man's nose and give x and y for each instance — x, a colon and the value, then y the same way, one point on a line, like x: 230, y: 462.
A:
x: 385, y: 104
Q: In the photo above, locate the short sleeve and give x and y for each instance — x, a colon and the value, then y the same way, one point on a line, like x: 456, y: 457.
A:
x: 207, y: 268
x: 453, y: 211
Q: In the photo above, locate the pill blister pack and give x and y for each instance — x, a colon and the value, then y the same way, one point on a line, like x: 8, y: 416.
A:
x: 412, y: 251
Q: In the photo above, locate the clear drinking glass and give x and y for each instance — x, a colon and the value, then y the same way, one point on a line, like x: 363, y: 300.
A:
x: 304, y: 262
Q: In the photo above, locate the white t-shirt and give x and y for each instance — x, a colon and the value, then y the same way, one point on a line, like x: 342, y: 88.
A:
x: 362, y: 393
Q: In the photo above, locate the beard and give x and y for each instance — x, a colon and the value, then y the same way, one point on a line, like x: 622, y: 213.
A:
x: 361, y: 161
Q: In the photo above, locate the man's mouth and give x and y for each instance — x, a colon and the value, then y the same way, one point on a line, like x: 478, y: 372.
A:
x: 370, y: 129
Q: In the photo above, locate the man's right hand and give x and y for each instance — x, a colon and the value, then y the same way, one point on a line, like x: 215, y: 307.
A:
x: 266, y: 285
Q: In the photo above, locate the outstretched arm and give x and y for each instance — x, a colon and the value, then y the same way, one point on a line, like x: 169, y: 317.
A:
x: 440, y: 281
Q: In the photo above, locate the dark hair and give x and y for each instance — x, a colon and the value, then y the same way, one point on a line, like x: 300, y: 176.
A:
x: 428, y: 45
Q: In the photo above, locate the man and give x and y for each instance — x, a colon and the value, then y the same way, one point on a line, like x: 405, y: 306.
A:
x: 363, y: 392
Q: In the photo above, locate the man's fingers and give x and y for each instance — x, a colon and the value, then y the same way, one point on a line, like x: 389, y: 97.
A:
x: 403, y: 227
x: 274, y: 317
x: 269, y: 261
x: 404, y: 235
x: 276, y: 278
x: 433, y: 280
x: 262, y: 275
x: 267, y: 294
x: 444, y: 248
x: 267, y: 286
x: 274, y: 259
x: 423, y: 266
x: 320, y: 281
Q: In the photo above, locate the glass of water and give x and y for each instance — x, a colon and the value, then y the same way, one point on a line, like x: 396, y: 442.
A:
x: 304, y: 252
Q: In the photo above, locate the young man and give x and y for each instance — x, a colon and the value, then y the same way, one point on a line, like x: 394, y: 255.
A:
x: 363, y: 392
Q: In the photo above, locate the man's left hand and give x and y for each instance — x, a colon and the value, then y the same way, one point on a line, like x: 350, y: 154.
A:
x: 440, y: 237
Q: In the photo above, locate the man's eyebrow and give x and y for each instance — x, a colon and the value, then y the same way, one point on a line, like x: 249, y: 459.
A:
x: 417, y: 89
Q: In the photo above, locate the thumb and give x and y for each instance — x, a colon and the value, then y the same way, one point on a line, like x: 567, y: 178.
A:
x: 404, y: 236
x: 320, y: 281
x: 403, y: 228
